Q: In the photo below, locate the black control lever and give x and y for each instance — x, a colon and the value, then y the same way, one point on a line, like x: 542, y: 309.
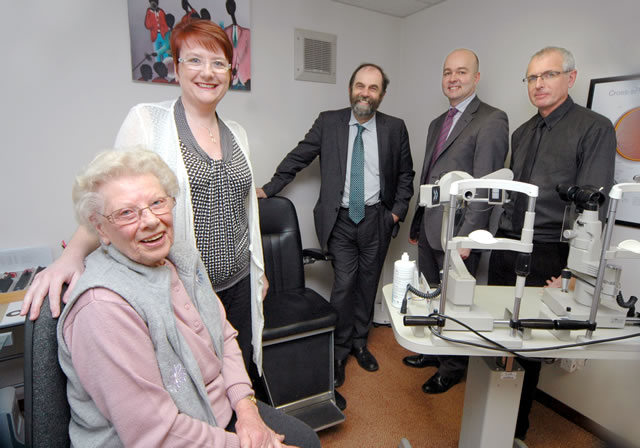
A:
x: 422, y: 321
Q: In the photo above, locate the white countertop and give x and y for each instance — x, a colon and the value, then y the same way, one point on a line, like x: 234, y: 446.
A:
x: 494, y: 299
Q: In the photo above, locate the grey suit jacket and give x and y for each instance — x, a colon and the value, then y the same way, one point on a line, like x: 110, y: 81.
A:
x: 478, y: 145
x: 328, y: 139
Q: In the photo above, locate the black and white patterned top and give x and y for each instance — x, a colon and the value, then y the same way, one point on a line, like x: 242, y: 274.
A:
x: 219, y: 190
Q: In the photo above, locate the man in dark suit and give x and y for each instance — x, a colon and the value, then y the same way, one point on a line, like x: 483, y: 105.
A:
x: 367, y: 182
x: 472, y: 137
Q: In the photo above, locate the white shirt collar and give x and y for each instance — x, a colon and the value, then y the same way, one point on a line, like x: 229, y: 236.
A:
x: 463, y: 105
x: 368, y: 125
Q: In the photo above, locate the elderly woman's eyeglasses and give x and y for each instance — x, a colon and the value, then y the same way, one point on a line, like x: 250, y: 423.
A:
x: 546, y: 76
x: 197, y: 64
x: 129, y: 215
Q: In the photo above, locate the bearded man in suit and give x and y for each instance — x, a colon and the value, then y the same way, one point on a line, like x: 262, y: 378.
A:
x: 366, y: 184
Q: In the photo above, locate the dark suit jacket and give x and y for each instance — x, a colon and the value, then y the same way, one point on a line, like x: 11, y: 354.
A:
x: 328, y: 138
x: 478, y: 145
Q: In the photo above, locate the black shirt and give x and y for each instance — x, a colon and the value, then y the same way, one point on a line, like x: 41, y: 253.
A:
x: 577, y: 147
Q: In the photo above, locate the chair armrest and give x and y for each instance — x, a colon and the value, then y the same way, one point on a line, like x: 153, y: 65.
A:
x: 310, y: 256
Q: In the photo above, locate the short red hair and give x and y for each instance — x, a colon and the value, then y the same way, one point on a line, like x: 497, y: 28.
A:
x: 202, y: 32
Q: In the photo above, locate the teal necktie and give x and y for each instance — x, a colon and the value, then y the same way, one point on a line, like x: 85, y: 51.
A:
x: 356, y: 189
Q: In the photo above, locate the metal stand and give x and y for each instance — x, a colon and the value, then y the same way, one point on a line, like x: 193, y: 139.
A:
x: 491, y: 400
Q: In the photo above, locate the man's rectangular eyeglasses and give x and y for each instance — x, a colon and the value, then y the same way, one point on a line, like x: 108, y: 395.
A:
x: 546, y: 76
x: 129, y: 215
x: 197, y: 64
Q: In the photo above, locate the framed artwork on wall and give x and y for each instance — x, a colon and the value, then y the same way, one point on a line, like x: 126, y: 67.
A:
x: 618, y: 98
x: 151, y: 23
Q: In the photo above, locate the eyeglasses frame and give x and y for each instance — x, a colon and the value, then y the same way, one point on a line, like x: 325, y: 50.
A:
x: 204, y: 65
x: 550, y: 74
x: 112, y: 220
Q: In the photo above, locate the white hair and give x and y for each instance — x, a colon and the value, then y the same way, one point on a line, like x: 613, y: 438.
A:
x: 568, y: 61
x: 113, y: 164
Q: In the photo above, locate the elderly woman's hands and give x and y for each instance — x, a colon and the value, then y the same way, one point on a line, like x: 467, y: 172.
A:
x: 252, y: 430
x: 50, y: 282
x: 66, y: 269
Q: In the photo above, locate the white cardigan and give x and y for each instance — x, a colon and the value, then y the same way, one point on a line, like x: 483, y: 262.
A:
x: 152, y: 125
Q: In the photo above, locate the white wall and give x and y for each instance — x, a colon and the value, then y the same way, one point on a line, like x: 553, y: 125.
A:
x: 66, y: 88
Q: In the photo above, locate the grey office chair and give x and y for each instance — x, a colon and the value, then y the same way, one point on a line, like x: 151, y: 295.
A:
x: 46, y: 409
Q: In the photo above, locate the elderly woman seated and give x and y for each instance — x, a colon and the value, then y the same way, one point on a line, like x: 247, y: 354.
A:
x: 150, y: 358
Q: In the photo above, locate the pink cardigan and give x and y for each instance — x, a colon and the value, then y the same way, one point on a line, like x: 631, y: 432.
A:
x: 114, y: 358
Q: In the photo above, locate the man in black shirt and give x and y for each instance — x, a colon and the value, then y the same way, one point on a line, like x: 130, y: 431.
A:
x: 562, y: 143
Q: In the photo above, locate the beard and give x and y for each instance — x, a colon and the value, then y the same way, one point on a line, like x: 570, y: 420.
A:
x: 363, y: 110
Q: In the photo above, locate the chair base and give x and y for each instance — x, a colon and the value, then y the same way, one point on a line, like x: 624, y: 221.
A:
x: 306, y: 390
x: 319, y: 415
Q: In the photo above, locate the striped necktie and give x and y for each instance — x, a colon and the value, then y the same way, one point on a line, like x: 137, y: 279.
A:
x: 442, y: 138
x: 444, y: 133
x: 356, y: 188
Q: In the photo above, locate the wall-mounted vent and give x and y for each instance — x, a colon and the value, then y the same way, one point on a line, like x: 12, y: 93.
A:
x: 314, y: 56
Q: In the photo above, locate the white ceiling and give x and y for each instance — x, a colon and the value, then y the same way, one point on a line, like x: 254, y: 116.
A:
x: 398, y: 8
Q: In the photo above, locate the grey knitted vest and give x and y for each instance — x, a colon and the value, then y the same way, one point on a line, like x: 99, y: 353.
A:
x: 148, y: 291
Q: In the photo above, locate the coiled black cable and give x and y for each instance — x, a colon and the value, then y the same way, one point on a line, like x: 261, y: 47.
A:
x: 425, y: 295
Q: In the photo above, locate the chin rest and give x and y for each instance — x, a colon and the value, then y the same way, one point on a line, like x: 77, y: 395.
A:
x: 298, y: 332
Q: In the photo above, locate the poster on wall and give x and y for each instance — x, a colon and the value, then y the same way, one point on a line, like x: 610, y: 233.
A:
x: 151, y: 23
x: 618, y: 99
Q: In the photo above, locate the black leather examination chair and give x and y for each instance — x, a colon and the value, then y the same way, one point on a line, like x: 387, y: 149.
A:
x: 298, y: 332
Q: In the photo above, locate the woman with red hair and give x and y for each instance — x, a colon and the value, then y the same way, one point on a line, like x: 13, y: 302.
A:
x: 217, y: 210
